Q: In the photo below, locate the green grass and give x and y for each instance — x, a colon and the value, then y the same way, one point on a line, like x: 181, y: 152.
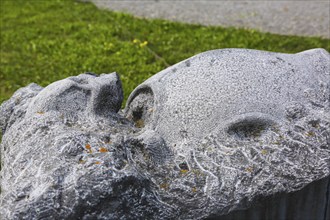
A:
x: 44, y: 41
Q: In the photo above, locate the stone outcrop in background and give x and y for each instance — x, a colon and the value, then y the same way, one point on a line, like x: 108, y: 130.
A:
x: 232, y: 133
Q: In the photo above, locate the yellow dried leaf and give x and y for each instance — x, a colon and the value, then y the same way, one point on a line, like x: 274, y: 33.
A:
x: 164, y: 186
x: 249, y: 169
x: 264, y: 152
x: 310, y: 134
x: 184, y: 171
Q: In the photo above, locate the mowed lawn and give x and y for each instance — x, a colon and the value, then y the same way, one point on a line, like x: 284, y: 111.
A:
x: 44, y: 41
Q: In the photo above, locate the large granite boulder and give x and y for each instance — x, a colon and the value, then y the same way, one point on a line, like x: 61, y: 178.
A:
x: 225, y: 134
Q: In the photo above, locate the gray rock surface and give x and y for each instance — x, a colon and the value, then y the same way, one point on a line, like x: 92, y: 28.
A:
x: 214, y: 134
x: 293, y: 17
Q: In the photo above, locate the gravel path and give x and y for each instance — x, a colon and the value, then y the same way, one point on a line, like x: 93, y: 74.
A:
x: 306, y: 18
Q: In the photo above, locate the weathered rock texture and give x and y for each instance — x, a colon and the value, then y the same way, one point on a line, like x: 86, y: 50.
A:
x: 231, y: 133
